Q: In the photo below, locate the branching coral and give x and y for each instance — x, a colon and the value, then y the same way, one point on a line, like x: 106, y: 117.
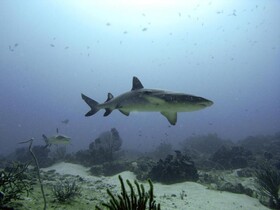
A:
x: 135, y: 201
x: 13, y: 183
x: 66, y: 191
x: 268, y: 179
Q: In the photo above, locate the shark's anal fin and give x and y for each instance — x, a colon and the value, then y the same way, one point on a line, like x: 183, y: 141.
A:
x: 124, y: 112
x: 171, y: 117
x: 136, y: 84
x: 107, y: 112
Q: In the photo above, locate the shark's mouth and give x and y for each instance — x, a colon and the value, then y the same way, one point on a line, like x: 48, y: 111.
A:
x: 206, y: 104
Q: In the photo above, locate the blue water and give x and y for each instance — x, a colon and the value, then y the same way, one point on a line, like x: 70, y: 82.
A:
x: 52, y: 51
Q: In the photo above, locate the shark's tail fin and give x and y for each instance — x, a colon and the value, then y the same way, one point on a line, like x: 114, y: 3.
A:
x: 93, y: 105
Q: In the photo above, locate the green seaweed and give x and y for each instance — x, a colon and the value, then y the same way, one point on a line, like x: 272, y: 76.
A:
x: 132, y: 201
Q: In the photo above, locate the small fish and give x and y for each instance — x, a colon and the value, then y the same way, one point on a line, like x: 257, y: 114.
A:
x: 11, y: 49
x: 66, y: 121
x: 16, y: 44
x: 144, y: 29
x: 58, y: 139
x: 52, y: 45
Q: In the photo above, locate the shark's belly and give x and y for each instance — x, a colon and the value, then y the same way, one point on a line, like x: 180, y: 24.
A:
x: 166, y: 107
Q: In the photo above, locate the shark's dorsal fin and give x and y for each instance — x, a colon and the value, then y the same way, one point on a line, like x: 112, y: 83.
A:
x: 171, y: 117
x: 109, y: 97
x: 136, y: 84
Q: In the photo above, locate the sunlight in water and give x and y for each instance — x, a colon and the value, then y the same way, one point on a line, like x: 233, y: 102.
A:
x: 130, y: 12
x: 141, y: 13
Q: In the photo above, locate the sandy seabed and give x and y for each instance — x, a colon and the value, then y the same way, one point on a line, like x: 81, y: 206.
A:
x: 186, y: 195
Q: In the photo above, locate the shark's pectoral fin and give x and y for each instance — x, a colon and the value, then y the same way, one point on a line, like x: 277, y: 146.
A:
x: 171, y: 117
x: 124, y: 112
x: 107, y: 112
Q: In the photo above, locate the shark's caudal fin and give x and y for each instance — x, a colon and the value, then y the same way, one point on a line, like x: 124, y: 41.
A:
x: 93, y: 105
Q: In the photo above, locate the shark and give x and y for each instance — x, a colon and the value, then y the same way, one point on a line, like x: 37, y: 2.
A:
x: 140, y: 99
x: 58, y: 139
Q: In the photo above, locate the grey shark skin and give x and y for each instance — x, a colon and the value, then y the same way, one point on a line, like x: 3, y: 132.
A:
x: 140, y: 99
x: 58, y: 139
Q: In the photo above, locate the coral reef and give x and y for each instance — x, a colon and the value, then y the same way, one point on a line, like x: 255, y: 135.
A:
x: 59, y: 154
x: 174, y: 169
x: 204, y: 144
x: 162, y: 151
x: 201, y: 147
x: 103, y: 149
x: 41, y: 152
x: 232, y: 158
x: 13, y: 183
x: 261, y: 143
x: 133, y: 201
x: 228, y: 181
x: 264, y: 148
x: 66, y: 191
x: 142, y: 167
x: 110, y: 168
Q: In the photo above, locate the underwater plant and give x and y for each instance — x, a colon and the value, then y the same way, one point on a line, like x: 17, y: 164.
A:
x: 133, y: 201
x: 30, y: 141
x: 66, y: 191
x: 268, y: 179
x: 13, y: 183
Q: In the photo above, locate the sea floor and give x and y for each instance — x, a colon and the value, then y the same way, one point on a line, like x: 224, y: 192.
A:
x: 181, y: 196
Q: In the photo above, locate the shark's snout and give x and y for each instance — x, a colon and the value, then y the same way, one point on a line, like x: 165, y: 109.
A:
x: 206, y: 103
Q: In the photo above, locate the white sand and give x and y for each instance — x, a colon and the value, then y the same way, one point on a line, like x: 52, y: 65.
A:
x: 68, y: 168
x: 197, y: 196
